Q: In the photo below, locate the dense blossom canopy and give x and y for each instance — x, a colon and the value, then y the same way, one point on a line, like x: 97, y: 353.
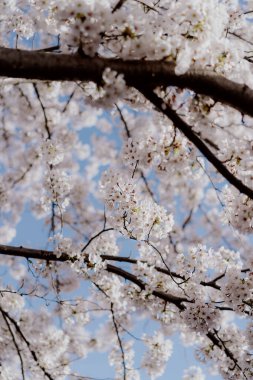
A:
x: 138, y: 158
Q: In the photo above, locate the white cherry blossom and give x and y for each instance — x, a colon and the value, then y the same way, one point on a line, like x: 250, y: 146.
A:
x: 126, y: 137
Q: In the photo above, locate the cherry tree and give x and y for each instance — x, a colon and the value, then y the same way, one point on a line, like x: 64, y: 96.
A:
x: 154, y: 211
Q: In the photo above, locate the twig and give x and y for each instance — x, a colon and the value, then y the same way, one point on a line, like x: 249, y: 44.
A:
x: 120, y: 343
x: 43, y: 110
x: 33, y: 353
x: 95, y: 236
x: 118, y: 5
x: 15, y: 344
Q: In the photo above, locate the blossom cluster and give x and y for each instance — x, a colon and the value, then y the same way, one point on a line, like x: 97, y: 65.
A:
x: 238, y: 211
x: 113, y: 87
x: 52, y: 152
x: 193, y: 373
x: 135, y: 217
x: 159, y: 351
x: 238, y: 291
x: 201, y: 317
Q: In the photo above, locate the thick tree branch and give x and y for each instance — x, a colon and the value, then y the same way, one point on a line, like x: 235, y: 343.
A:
x: 62, y: 67
x: 30, y: 253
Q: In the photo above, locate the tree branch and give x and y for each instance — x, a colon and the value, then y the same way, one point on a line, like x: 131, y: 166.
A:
x: 191, y: 135
x: 40, y: 254
x: 120, y: 343
x: 49, y: 255
x: 63, y: 67
x: 15, y: 344
x: 32, y: 352
x: 179, y: 302
x: 118, y: 5
x: 30, y: 253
